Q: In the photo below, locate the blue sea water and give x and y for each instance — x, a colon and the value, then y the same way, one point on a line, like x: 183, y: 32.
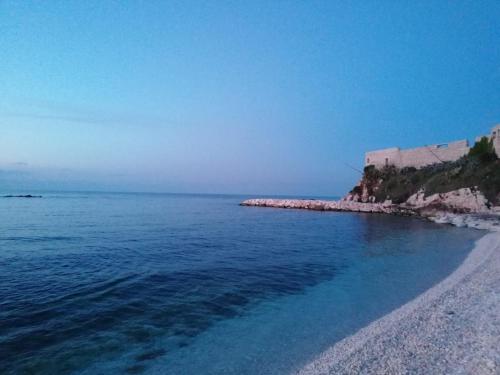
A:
x: 94, y: 283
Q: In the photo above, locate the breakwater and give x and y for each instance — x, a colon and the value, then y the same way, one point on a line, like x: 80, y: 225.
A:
x: 461, y: 201
x: 327, y: 205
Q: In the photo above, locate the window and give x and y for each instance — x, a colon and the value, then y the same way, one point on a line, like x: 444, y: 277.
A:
x: 367, y: 160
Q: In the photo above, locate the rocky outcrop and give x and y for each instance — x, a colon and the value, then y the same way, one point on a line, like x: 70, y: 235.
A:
x: 486, y: 221
x: 461, y: 201
x: 22, y: 196
x: 464, y: 200
x: 470, y: 185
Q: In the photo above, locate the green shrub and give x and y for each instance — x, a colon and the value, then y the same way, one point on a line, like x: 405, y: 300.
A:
x: 483, y: 150
x: 470, y: 171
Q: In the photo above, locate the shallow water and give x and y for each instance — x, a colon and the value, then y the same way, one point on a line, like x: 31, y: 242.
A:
x: 183, y: 284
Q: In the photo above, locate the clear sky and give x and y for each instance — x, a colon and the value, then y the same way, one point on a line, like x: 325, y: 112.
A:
x: 271, y: 97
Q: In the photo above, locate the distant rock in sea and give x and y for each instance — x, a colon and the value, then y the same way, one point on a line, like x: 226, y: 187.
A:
x: 22, y: 196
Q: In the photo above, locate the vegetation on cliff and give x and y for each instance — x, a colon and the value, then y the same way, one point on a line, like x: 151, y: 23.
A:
x: 479, y: 169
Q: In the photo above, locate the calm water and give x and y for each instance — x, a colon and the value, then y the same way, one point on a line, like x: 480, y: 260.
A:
x: 172, y: 284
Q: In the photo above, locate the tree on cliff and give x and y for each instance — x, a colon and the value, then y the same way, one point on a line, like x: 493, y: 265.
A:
x: 484, y: 150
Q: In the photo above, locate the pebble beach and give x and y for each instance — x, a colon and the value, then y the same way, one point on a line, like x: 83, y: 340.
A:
x: 453, y: 328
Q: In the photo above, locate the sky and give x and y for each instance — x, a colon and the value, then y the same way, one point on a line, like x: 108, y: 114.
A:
x: 251, y: 97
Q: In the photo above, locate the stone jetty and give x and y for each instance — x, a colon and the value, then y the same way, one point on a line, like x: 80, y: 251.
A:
x: 327, y: 205
x: 461, y: 201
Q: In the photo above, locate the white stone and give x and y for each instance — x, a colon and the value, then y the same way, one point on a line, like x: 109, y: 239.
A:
x: 461, y: 200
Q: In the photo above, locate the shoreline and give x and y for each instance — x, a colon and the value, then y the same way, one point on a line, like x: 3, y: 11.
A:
x: 454, y: 327
x: 460, y: 215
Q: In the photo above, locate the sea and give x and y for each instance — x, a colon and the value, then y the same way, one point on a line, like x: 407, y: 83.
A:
x: 119, y: 283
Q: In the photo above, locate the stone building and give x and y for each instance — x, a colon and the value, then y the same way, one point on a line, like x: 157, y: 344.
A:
x: 427, y: 155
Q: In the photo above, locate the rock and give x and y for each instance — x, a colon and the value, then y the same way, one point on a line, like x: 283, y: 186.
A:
x: 22, y: 196
x: 435, y: 207
x: 464, y: 200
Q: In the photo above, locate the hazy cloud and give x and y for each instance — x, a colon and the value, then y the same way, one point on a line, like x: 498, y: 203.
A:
x: 47, y: 110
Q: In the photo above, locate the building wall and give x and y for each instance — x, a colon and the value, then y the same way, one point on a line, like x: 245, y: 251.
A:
x: 379, y: 158
x: 417, y: 157
x: 495, y: 135
x: 422, y: 156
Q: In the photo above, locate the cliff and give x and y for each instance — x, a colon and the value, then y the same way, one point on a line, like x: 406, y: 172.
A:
x: 470, y: 185
x: 477, y: 173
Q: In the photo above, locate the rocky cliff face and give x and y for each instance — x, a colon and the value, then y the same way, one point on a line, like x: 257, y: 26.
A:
x: 437, y: 206
x: 469, y: 186
x: 460, y: 201
x: 398, y: 185
x: 464, y: 200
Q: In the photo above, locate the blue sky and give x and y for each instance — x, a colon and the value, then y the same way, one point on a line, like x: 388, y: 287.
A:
x: 271, y: 97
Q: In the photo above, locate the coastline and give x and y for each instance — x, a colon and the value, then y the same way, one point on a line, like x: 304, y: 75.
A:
x: 461, y: 201
x: 454, y: 327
